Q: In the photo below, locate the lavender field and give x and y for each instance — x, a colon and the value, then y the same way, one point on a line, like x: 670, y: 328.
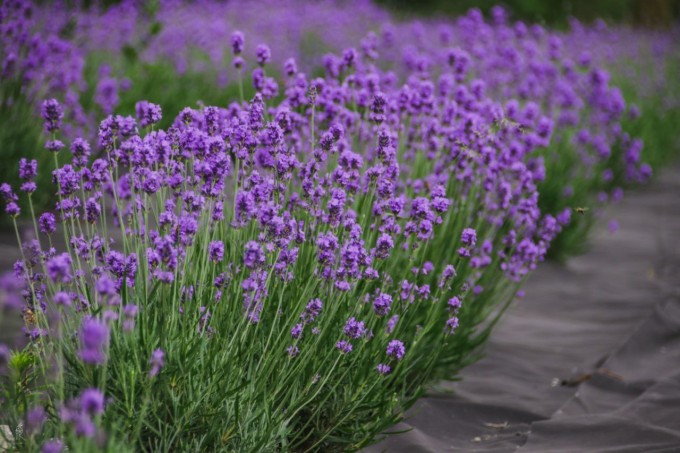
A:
x: 288, y: 225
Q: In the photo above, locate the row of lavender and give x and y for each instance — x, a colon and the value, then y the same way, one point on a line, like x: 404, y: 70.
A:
x: 287, y: 270
x: 561, y: 75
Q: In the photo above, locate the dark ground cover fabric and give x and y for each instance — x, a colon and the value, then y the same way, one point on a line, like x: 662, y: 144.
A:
x: 589, y: 360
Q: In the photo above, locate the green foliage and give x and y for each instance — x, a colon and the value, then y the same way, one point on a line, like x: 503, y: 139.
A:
x: 658, y: 123
x: 551, y: 12
x: 21, y: 135
x: 160, y: 83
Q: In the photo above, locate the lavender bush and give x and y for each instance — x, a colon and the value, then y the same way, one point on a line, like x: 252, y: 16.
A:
x: 282, y: 274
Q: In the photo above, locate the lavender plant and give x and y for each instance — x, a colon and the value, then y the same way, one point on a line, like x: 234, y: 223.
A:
x: 286, y: 273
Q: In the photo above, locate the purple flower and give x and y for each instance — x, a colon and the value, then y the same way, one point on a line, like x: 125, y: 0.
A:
x: 381, y: 304
x: 391, y: 324
x: 423, y: 291
x: 378, y: 108
x: 216, y: 251
x: 564, y: 217
x: 454, y: 304
x: 296, y: 331
x: 354, y: 329
x: 106, y: 94
x: 311, y: 311
x: 617, y: 194
x: 645, y: 172
x: 52, y: 112
x: 35, y: 419
x: 105, y: 286
x: 263, y: 54
x: 451, y: 325
x: 92, y: 402
x: 237, y: 42
x: 110, y: 316
x: 67, y: 179
x: 290, y: 67
x: 59, y: 268
x: 613, y: 226
x: 28, y: 169
x: 130, y: 311
x: 92, y: 210
x: 157, y: 362
x: 469, y: 237
x: 29, y: 187
x: 383, y: 246
x: 396, y: 349
x: 94, y: 336
x: 83, y: 426
x: 440, y: 204
x: 344, y: 346
x: 253, y: 255
x: 383, y: 369
x: 124, y: 268
x: 62, y: 299
x: 53, y: 446
x: 148, y: 114
x: 54, y: 146
x: 12, y: 209
x: 7, y: 193
x: 81, y: 151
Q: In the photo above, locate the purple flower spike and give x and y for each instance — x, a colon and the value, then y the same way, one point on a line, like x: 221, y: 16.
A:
x: 396, y: 349
x: 92, y: 402
x: 383, y: 369
x: 35, y: 419
x: 354, y: 329
x: 237, y: 42
x: 157, y: 362
x: 59, y: 268
x: 469, y: 237
x: 263, y: 53
x: 94, y: 336
x: 451, y: 325
x: 216, y: 251
x: 28, y: 169
x: 148, y: 114
x: 52, y: 112
x: 47, y: 223
x: 53, y: 446
x: 381, y: 304
x: 344, y: 346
